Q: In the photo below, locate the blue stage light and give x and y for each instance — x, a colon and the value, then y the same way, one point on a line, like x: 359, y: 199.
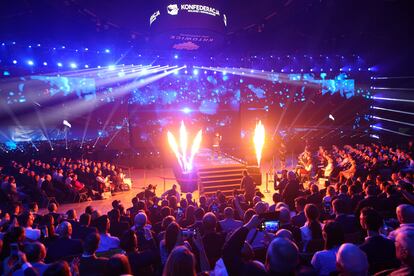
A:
x: 59, y: 64
x: 107, y: 51
x: 111, y: 67
x: 3, y: 44
x: 176, y: 56
x: 86, y: 66
x: 195, y: 72
x: 30, y: 62
x: 38, y: 45
x: 45, y: 63
x: 63, y: 47
x: 73, y: 65
x: 186, y: 110
x: 14, y: 61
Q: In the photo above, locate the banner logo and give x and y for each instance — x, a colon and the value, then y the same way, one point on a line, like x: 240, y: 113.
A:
x: 154, y: 17
x: 172, y: 9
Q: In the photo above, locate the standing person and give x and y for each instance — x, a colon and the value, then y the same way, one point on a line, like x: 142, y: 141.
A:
x: 248, y: 185
x: 280, y: 183
x: 291, y: 190
x: 216, y: 144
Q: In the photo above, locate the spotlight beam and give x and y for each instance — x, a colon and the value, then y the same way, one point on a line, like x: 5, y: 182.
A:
x: 393, y: 99
x: 393, y: 88
x: 390, y: 130
x: 113, y: 136
x: 86, y: 128
x: 393, y: 121
x: 78, y: 107
x: 266, y: 75
x: 393, y: 110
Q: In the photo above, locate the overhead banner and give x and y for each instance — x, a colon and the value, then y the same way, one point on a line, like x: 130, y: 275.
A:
x: 188, y: 26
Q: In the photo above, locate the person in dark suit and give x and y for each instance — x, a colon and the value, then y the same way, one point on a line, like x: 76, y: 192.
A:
x: 89, y: 264
x: 348, y: 223
x: 117, y: 227
x: 299, y: 219
x: 65, y: 246
x: 143, y: 262
x: 379, y: 250
x: 285, y: 223
x: 84, y: 228
x: 280, y: 183
x: 291, y: 190
x: 248, y: 185
x: 213, y: 241
x: 343, y: 195
x: 370, y: 200
x: 315, y: 197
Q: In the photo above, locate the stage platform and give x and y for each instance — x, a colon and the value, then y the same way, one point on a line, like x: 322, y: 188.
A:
x: 212, y: 172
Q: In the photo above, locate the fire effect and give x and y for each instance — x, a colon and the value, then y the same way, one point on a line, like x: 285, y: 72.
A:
x: 180, y: 150
x: 259, y: 140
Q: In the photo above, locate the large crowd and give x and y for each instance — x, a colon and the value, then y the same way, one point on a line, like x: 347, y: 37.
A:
x: 344, y: 211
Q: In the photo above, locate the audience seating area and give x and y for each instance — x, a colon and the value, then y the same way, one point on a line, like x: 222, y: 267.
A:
x: 358, y: 220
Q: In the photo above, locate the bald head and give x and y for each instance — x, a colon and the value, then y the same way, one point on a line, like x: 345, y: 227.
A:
x: 284, y: 215
x: 404, y: 245
x: 282, y: 256
x: 228, y: 212
x: 285, y: 234
x: 35, y: 251
x: 140, y: 219
x: 210, y: 221
x: 64, y: 229
x: 260, y: 207
x: 351, y: 260
x: 405, y: 213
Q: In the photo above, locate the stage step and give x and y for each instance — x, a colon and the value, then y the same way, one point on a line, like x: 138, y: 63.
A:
x: 216, y: 177
x: 220, y: 178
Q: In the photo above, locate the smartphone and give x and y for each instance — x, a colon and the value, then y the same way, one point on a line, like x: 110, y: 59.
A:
x: 269, y: 226
x: 180, y: 212
x: 214, y: 208
x: 188, y: 233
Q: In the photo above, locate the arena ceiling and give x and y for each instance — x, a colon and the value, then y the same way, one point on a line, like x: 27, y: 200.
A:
x: 286, y: 26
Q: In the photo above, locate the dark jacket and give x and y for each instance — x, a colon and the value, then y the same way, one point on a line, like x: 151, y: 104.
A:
x: 93, y: 265
x: 380, y: 252
x: 63, y: 247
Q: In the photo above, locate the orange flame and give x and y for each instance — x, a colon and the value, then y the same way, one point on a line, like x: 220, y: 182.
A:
x: 259, y: 140
x: 185, y: 162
